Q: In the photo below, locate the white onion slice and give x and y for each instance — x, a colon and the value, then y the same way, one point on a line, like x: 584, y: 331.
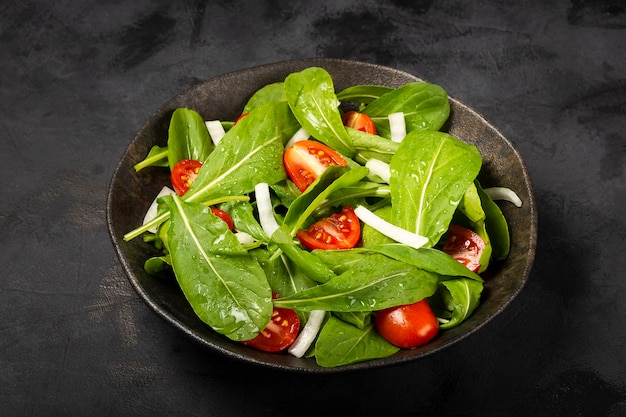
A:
x: 301, y: 134
x: 264, y: 206
x: 503, y: 193
x: 380, y: 168
x: 307, y: 334
x: 244, y: 238
x: 216, y: 130
x: 152, y: 210
x: 397, y: 126
x: 390, y: 230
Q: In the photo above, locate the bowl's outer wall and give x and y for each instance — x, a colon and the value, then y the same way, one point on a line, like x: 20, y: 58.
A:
x: 223, y: 98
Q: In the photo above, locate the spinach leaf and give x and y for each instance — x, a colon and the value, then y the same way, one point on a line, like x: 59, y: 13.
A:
x: 326, y: 184
x: 229, y: 293
x: 242, y: 214
x: 425, y: 107
x: 496, y: 225
x: 375, y: 283
x: 340, y: 343
x: 363, y: 93
x: 429, y: 175
x: 472, y: 209
x: 157, y: 157
x: 268, y: 94
x: 311, y: 96
x: 249, y: 153
x: 284, y: 277
x: 310, y: 264
x: 188, y: 137
x: 428, y: 259
x: 370, y: 146
x: 460, y: 298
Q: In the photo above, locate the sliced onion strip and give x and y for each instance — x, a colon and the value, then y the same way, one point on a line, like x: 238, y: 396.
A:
x: 390, y: 230
x: 380, y: 168
x: 308, y: 333
x: 503, y: 193
x: 397, y: 126
x: 216, y: 130
x: 152, y: 210
x: 264, y: 206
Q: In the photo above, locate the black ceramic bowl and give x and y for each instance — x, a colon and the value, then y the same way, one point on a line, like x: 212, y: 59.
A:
x: 223, y: 98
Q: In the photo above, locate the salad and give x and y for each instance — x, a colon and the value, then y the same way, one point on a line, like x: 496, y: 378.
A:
x: 341, y: 225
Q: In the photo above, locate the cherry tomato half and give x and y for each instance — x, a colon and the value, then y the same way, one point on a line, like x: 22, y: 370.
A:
x: 183, y: 175
x: 465, y: 246
x: 279, y: 333
x: 224, y: 216
x: 305, y: 160
x: 338, y: 231
x: 407, y: 326
x: 359, y: 121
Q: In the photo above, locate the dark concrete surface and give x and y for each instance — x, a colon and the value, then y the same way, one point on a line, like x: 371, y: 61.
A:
x: 78, y: 79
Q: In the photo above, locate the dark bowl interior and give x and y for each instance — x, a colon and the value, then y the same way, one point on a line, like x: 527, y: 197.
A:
x: 223, y: 97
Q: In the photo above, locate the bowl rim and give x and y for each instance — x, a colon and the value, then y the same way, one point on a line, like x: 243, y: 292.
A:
x: 296, y: 364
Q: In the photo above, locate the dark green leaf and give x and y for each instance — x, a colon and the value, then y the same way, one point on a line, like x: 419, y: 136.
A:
x: 188, y: 137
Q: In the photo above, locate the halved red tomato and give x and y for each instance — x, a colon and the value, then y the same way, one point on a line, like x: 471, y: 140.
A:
x: 183, y: 175
x: 359, y: 121
x: 465, y: 246
x: 338, y: 231
x: 279, y: 333
x: 224, y: 216
x: 305, y: 160
x: 407, y: 326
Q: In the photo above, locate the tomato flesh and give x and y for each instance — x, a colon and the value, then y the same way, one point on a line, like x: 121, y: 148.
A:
x: 305, y: 160
x: 279, y: 333
x: 184, y: 174
x: 407, y: 326
x: 338, y: 231
x: 465, y: 246
x: 224, y: 216
x: 359, y: 121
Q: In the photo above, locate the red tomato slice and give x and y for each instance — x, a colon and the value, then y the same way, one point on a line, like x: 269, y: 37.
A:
x: 359, y: 121
x: 465, y: 246
x: 183, y: 175
x: 280, y: 332
x: 305, y: 160
x: 224, y: 216
x: 407, y: 326
x: 338, y: 231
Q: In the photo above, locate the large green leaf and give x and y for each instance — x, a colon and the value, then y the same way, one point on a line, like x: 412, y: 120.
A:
x: 250, y: 153
x: 429, y: 176
x: 425, y: 107
x: 311, y: 96
x: 188, y: 137
x: 229, y: 293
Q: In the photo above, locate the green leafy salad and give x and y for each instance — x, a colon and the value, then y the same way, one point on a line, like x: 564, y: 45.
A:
x: 343, y: 225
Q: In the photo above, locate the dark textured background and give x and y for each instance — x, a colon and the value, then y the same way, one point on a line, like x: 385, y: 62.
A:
x: 78, y: 79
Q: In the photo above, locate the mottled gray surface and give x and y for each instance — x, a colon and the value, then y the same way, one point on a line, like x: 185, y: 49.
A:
x: 80, y: 77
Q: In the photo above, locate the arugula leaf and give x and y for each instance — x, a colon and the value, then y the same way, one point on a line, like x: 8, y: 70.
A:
x: 496, y: 225
x: 425, y: 107
x: 267, y: 94
x: 157, y: 157
x: 375, y: 283
x: 340, y: 343
x: 429, y: 175
x: 472, y: 209
x: 249, y: 153
x: 363, y: 93
x: 316, y: 194
x: 311, y: 96
x: 188, y: 137
x: 460, y: 298
x: 370, y: 146
x: 229, y: 293
x: 428, y: 259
